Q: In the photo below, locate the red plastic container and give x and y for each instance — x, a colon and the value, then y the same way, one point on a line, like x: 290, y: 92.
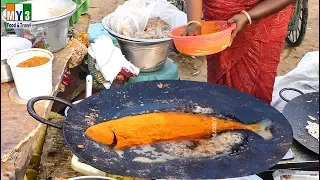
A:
x: 215, y: 38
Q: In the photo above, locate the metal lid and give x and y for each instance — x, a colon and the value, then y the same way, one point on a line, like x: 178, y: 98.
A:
x: 48, y: 9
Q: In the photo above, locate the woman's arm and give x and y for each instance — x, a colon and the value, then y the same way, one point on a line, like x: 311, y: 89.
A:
x: 194, y: 10
x: 268, y: 7
x: 263, y: 9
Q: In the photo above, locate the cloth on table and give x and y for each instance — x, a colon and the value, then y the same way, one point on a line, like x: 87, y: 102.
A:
x: 109, y: 60
x: 67, y: 77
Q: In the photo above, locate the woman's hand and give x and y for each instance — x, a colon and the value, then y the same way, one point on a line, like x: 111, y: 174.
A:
x: 192, y: 30
x: 241, y: 21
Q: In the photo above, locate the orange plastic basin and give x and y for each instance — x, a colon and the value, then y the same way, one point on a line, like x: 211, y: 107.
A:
x: 215, y: 37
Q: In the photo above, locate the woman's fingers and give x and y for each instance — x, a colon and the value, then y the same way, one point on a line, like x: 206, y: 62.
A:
x: 241, y: 21
x: 231, y: 39
x: 190, y: 34
x: 187, y: 33
x: 234, y: 32
x: 184, y: 33
x: 231, y: 20
x: 192, y: 30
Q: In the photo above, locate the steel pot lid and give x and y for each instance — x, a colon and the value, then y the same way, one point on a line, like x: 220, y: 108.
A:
x: 45, y: 9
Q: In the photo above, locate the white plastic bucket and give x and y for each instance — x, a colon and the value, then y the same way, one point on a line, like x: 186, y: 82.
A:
x: 31, y: 81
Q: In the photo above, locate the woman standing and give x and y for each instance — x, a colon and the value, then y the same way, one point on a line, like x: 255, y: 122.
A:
x: 250, y: 63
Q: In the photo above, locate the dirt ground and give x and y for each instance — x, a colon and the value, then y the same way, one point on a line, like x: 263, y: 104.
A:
x: 191, y: 68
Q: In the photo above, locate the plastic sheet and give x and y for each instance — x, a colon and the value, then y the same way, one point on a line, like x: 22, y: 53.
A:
x: 132, y: 17
x: 305, y: 77
x: 37, y: 36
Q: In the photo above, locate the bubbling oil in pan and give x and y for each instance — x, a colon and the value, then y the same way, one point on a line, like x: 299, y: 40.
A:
x: 213, y: 147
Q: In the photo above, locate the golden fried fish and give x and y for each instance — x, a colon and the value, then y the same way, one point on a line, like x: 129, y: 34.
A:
x: 167, y: 126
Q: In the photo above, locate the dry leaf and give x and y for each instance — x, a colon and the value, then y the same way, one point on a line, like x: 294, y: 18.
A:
x: 79, y: 50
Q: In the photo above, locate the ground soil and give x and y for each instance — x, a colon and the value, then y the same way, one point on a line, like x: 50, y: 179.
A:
x: 196, y: 69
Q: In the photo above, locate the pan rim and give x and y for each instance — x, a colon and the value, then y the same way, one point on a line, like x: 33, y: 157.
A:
x: 288, y: 116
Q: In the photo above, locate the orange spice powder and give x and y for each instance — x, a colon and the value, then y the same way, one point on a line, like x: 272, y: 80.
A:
x: 34, y: 61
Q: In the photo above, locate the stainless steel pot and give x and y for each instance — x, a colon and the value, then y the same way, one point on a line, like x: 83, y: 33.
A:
x: 6, y: 75
x: 148, y: 56
x: 53, y: 27
x: 55, y: 31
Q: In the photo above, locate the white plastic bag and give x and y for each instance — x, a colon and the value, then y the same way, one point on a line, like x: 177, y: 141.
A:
x: 168, y: 13
x: 109, y: 59
x: 132, y: 17
x: 305, y: 77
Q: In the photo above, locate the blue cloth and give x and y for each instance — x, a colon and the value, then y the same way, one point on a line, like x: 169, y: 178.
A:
x: 168, y: 72
x: 96, y: 30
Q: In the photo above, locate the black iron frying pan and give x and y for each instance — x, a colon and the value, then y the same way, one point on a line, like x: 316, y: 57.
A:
x: 297, y: 111
x: 256, y: 156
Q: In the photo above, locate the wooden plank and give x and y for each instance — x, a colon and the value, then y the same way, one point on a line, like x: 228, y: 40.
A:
x: 19, y: 131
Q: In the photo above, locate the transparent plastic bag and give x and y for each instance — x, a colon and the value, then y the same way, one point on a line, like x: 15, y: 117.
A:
x: 129, y: 18
x: 168, y: 13
x: 132, y: 17
x: 37, y: 36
